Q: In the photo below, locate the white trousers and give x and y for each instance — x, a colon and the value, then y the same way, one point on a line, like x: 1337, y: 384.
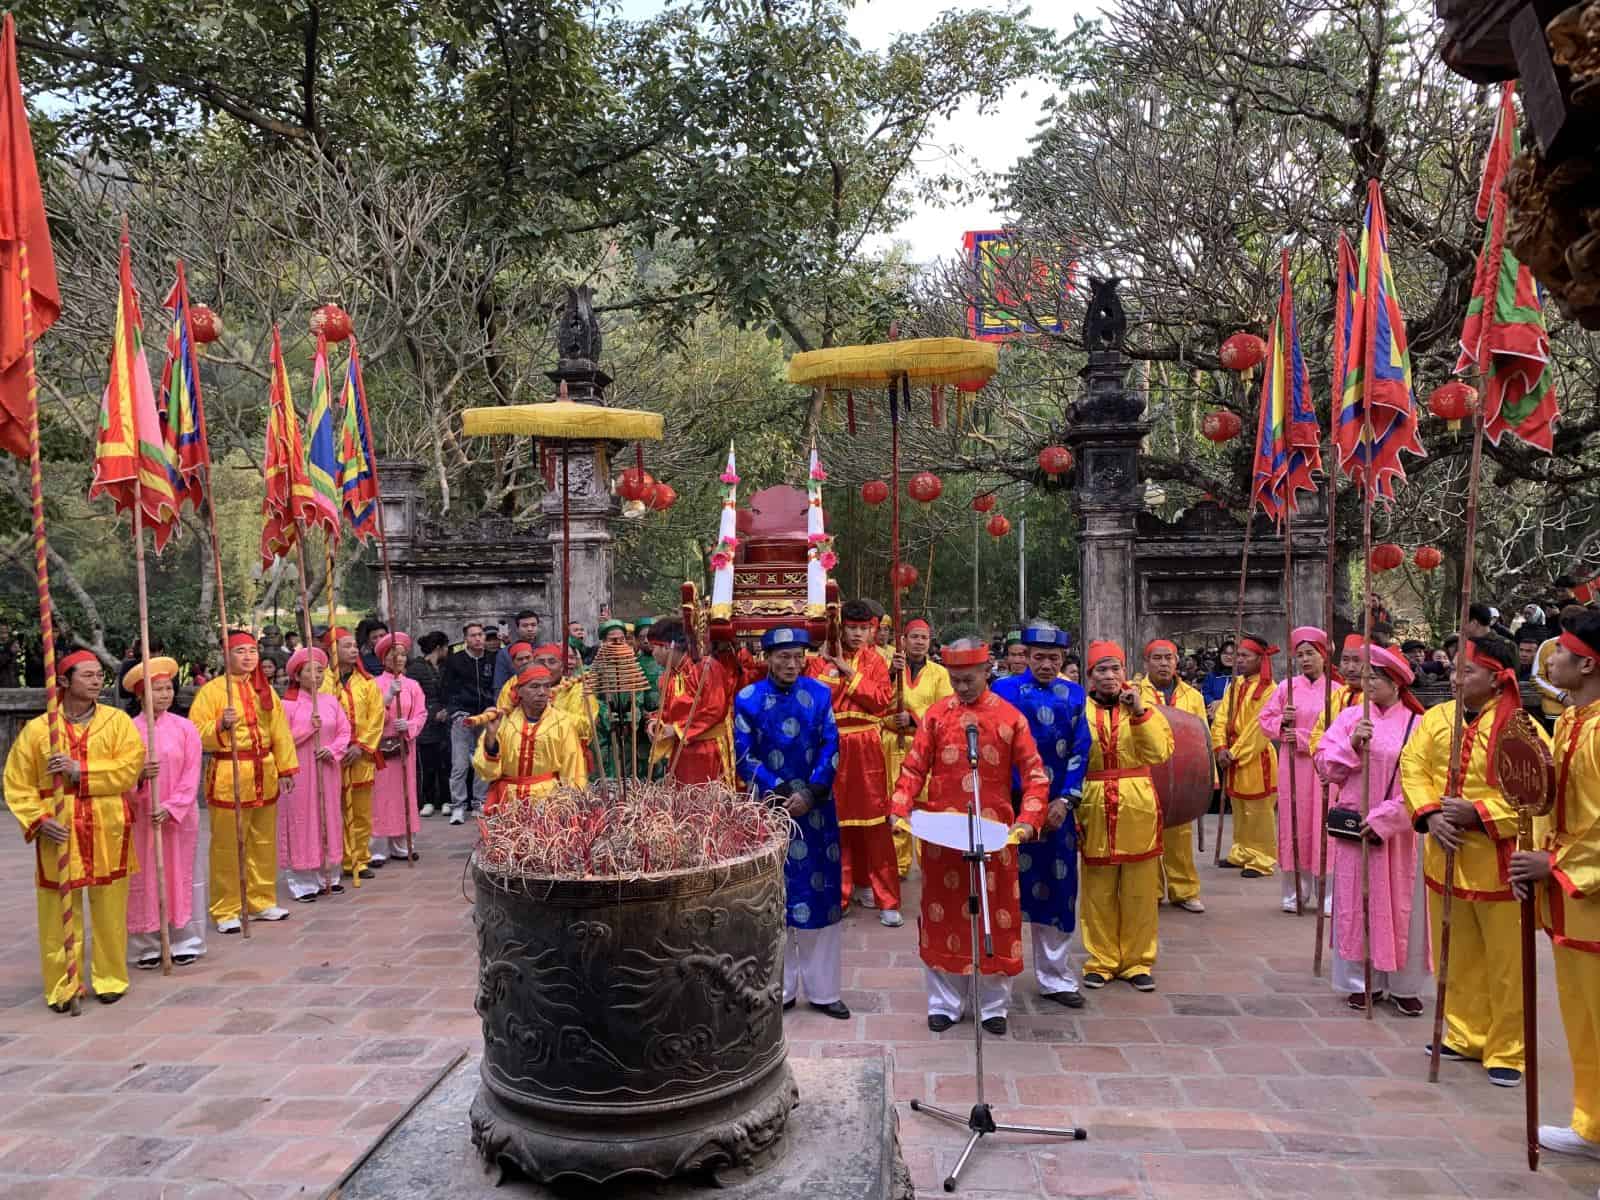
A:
x: 948, y: 994
x: 382, y: 849
x: 811, y: 959
x: 1052, y: 960
x: 309, y: 883
x: 1411, y: 981
x: 185, y: 940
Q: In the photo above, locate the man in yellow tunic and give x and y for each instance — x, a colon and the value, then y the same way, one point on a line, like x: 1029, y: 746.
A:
x: 521, y: 659
x: 1565, y: 873
x: 527, y: 754
x: 1344, y: 694
x: 93, y: 774
x: 570, y: 694
x: 256, y: 732
x: 362, y: 702
x: 1483, y: 996
x: 925, y: 683
x: 1249, y: 763
x: 1160, y: 685
x: 1119, y: 825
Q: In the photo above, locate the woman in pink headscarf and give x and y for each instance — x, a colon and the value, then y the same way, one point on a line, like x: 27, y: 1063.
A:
x: 311, y: 846
x: 173, y: 763
x: 1290, y: 726
x: 394, y: 791
x: 1399, y: 933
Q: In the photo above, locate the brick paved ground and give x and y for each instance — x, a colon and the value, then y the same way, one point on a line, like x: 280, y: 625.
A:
x: 266, y: 1069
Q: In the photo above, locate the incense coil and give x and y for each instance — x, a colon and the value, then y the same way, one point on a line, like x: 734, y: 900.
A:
x: 617, y: 671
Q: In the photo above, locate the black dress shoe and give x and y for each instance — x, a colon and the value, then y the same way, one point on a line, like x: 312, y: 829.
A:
x: 109, y: 997
x: 938, y: 1022
x: 61, y: 1006
x: 995, y: 1025
x: 364, y: 873
x: 1069, y: 999
x: 377, y: 862
x: 787, y: 1005
x: 337, y: 889
x: 183, y: 960
x: 1228, y: 864
x: 1251, y: 873
x: 310, y: 898
x: 836, y: 1010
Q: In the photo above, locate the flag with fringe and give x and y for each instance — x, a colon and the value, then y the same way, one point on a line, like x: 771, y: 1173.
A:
x: 358, y: 479
x: 1288, y: 442
x: 180, y: 408
x: 322, y: 460
x: 130, y: 456
x: 1504, y: 337
x: 1377, y: 375
x: 289, y: 497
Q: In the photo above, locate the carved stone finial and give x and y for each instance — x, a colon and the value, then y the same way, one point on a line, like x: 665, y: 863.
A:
x: 1105, y: 324
x: 578, y: 333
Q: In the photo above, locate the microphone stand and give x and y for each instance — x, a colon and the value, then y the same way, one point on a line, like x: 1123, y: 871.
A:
x: 981, y: 1119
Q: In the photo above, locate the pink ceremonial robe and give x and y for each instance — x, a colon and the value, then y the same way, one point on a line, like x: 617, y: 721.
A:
x: 392, y: 815
x: 178, y: 751
x: 1307, y: 796
x: 1392, y: 865
x: 301, y: 844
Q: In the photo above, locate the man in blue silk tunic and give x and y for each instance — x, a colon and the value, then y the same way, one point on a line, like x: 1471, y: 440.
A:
x: 1054, y: 708
x: 786, y: 748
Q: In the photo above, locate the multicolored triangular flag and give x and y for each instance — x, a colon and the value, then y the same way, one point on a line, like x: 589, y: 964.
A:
x: 180, y: 409
x: 289, y: 497
x: 1288, y: 442
x: 322, y: 460
x: 358, y: 480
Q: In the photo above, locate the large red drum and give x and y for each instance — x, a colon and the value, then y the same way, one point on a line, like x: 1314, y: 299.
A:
x: 1185, y: 781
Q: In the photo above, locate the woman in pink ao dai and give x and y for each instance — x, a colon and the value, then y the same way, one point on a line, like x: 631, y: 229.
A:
x: 394, y: 791
x: 310, y: 846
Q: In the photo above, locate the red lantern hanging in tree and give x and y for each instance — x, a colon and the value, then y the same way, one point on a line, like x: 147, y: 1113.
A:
x: 662, y: 497
x: 998, y: 526
x: 984, y: 502
x: 1452, y: 401
x: 1427, y: 558
x: 636, y: 484
x: 1387, y: 556
x: 1243, y: 352
x: 331, y: 321
x: 204, y: 324
x: 1220, y: 425
x: 925, y: 486
x: 875, y: 492
x: 1055, y: 460
x: 903, y: 576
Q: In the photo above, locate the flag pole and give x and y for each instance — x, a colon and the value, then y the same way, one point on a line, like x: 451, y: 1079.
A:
x: 1233, y: 685
x: 1292, y: 742
x: 152, y: 741
x: 41, y: 571
x: 316, y: 715
x: 1369, y: 485
x: 1327, y: 673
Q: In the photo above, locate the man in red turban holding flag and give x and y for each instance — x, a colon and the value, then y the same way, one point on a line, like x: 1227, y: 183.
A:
x: 1247, y: 760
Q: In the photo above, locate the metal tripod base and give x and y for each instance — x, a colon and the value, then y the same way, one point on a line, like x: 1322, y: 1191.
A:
x: 981, y: 1121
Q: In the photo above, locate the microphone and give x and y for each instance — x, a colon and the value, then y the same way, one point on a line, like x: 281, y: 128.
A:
x: 972, y: 745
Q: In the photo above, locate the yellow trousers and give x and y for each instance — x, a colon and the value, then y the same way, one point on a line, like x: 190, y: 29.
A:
x: 260, y: 861
x: 1117, y: 905
x: 1177, y: 861
x: 1255, y: 834
x: 357, y: 805
x: 1483, y: 993
x: 108, y: 917
x: 1578, y: 986
x: 902, y: 848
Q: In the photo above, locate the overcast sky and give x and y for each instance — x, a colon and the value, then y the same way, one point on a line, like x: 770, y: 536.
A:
x: 966, y: 143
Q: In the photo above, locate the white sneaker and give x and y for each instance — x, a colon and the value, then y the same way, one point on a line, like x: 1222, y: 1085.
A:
x: 271, y: 914
x: 377, y: 860
x: 458, y: 814
x: 1194, y: 906
x: 1288, y: 905
x: 865, y: 898
x: 891, y: 917
x: 428, y: 810
x: 231, y: 925
x: 1563, y: 1140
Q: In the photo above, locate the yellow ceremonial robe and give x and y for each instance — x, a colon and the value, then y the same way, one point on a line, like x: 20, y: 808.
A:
x: 531, y: 758
x: 1119, y: 834
x: 1344, y: 695
x: 1177, y: 841
x: 1251, y: 780
x: 1570, y: 903
x: 1483, y: 994
x: 363, y: 705
x: 265, y: 750
x: 932, y: 684
x: 97, y: 814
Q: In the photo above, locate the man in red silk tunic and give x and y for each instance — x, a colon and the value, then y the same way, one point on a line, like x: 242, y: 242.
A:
x: 862, y: 693
x: 695, y: 700
x: 938, y: 756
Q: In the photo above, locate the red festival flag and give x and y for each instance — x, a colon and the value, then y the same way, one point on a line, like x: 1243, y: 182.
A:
x: 22, y: 224
x: 289, y: 497
x: 130, y: 457
x: 1504, y: 335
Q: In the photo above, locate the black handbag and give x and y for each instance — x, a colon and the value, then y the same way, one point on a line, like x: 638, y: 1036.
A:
x: 1345, y: 823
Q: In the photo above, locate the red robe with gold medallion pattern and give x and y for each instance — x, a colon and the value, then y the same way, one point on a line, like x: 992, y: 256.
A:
x: 861, y: 784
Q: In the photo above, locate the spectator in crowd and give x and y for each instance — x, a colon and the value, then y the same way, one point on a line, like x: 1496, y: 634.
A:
x: 433, y: 743
x: 1437, y: 664
x: 468, y: 691
x: 1416, y: 653
x: 272, y: 646
x: 367, y: 634
x: 1072, y: 670
x: 291, y: 643
x: 577, y: 639
x: 269, y: 668
x: 1528, y: 639
x: 1215, y: 685
x: 1480, y: 620
x: 526, y: 623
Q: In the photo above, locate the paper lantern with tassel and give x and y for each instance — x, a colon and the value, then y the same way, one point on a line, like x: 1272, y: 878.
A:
x: 1243, y: 352
x: 1387, y: 556
x: 998, y: 526
x: 1055, y: 460
x: 925, y: 486
x: 1220, y: 425
x: 331, y: 321
x: 204, y: 324
x: 1427, y: 558
x: 875, y: 492
x: 984, y: 502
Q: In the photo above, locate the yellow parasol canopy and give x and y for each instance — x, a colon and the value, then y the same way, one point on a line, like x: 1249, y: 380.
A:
x: 926, y: 362
x: 563, y: 419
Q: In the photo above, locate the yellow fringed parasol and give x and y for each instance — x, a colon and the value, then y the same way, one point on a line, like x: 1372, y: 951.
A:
x: 563, y: 419
x: 925, y: 362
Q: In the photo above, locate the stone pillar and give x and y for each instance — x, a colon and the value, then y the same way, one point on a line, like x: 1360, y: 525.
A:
x: 591, y: 510
x: 1105, y: 431
x: 400, y: 511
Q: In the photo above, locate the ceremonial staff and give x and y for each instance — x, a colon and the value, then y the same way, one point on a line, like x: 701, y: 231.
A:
x: 1233, y: 685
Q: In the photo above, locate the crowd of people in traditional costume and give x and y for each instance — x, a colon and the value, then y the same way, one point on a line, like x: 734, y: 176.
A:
x: 326, y: 773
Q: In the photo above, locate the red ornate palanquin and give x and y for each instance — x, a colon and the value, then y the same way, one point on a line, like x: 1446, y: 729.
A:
x: 769, y: 570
